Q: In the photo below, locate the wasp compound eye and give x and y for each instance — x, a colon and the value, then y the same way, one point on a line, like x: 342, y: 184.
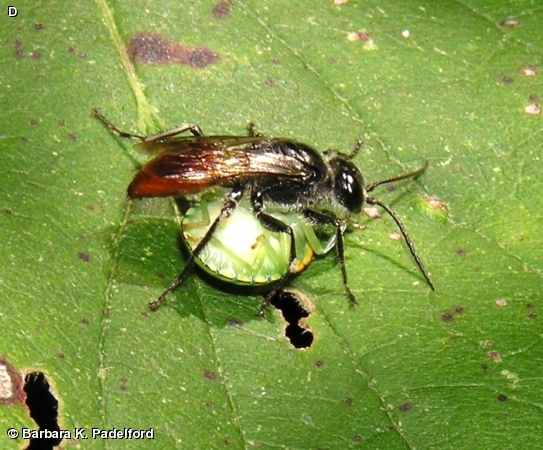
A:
x: 348, y: 184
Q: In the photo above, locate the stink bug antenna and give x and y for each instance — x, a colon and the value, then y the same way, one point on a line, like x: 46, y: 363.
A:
x: 395, y: 217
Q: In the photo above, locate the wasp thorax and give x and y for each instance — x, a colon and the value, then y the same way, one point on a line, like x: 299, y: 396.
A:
x: 348, y: 184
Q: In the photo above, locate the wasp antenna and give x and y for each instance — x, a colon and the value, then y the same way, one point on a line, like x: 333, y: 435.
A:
x: 416, y: 173
x: 108, y: 123
x: 410, y: 245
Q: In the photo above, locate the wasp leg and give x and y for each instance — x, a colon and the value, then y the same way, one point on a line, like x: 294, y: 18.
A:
x: 323, y: 219
x: 273, y: 224
x: 228, y: 207
x: 251, y: 129
x: 194, y: 129
x: 355, y: 149
x: 408, y: 241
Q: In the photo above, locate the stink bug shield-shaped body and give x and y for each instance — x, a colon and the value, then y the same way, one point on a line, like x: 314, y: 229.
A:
x: 273, y: 174
x: 241, y: 250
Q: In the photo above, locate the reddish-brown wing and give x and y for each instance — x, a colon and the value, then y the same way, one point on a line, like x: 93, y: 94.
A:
x: 187, y: 165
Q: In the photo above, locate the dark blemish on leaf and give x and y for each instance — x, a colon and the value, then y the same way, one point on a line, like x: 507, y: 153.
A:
x: 70, y: 49
x: 390, y: 188
x: 18, y: 49
x: 152, y: 48
x: 124, y: 387
x: 89, y: 208
x: 81, y: 55
x: 495, y: 356
x: 60, y: 355
x: 203, y: 57
x: 11, y: 383
x: 8, y: 211
x: 84, y: 321
x: 529, y: 305
x: 39, y: 26
x: 72, y: 137
x: 43, y: 408
x: 461, y: 252
x: 501, y: 398
x: 36, y: 55
x: 510, y: 23
x: 276, y: 62
x: 484, y: 367
x: 319, y: 363
x: 532, y: 316
x: 507, y: 80
x: 447, y: 317
x: 459, y: 310
x: 33, y: 122
x: 270, y: 82
x: 359, y: 36
x: 61, y: 123
x: 233, y: 322
x: 405, y: 407
x: 210, y: 375
x: 84, y: 256
x: 24, y: 139
x: 358, y: 438
x: 221, y: 10
x: 348, y: 401
x: 533, y: 98
x: 208, y: 404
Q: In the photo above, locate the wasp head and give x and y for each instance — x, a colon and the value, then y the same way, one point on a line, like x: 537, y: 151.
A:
x: 348, y: 183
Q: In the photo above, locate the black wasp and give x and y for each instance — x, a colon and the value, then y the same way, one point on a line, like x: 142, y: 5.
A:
x: 278, y: 189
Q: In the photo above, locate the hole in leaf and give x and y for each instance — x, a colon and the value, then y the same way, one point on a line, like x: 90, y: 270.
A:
x: 43, y: 407
x: 293, y: 312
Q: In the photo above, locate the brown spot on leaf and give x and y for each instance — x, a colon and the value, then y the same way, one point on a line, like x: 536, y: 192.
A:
x: 221, y: 10
x: 11, y: 383
x: 124, y: 383
x: 210, y: 375
x: 405, y: 407
x: 39, y: 26
x: 152, y: 48
x: 84, y: 256
x: 18, y: 49
x: 502, y: 398
x: 234, y: 322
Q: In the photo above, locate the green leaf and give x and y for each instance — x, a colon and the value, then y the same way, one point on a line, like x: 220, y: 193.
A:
x: 452, y: 83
